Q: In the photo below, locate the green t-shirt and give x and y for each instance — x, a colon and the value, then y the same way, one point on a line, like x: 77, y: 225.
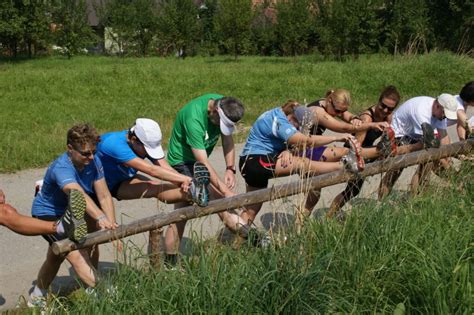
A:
x: 192, y: 129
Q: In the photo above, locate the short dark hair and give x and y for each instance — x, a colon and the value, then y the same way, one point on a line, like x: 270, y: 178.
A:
x: 82, y: 134
x: 467, y: 92
x: 232, y: 108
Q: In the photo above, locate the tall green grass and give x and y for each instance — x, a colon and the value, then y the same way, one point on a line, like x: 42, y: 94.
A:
x: 40, y: 99
x: 404, y: 255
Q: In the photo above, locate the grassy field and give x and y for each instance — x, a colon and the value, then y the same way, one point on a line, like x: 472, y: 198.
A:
x: 40, y: 99
x: 403, y: 255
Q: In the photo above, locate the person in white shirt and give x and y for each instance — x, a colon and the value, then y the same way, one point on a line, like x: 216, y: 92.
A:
x: 464, y: 99
x: 414, y: 123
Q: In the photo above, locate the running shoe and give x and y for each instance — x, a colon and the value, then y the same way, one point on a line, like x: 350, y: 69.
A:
x: 254, y: 237
x: 356, y: 150
x: 349, y: 162
x: 387, y: 145
x: 199, y: 189
x: 38, y: 302
x: 429, y: 138
x: 75, y: 226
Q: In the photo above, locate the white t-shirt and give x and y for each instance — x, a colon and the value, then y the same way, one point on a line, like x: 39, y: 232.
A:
x: 460, y: 103
x: 408, y: 118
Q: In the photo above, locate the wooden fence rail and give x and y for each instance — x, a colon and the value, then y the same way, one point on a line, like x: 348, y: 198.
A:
x: 274, y: 192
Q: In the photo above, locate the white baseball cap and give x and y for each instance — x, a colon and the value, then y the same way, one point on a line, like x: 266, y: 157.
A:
x: 149, y: 133
x: 227, y: 126
x: 449, y: 105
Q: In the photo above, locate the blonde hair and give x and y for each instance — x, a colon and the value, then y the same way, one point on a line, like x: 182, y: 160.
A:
x: 340, y: 96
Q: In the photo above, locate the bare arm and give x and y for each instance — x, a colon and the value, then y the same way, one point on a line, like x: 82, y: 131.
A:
x: 301, y: 140
x: 229, y: 156
x: 201, y: 156
x: 158, y: 171
x: 337, y: 125
x: 105, y: 200
x: 461, y: 126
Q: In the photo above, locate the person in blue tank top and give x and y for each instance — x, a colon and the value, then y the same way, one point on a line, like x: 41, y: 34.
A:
x: 267, y: 154
x: 71, y: 184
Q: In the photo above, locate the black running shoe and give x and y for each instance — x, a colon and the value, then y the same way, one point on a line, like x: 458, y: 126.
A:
x: 199, y: 187
x: 75, y: 226
x: 429, y: 138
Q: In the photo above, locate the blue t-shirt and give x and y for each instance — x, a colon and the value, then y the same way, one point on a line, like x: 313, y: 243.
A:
x: 269, y: 134
x: 113, y: 150
x: 51, y: 200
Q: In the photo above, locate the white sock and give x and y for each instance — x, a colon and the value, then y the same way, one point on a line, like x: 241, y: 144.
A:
x: 60, y: 228
x: 37, y: 292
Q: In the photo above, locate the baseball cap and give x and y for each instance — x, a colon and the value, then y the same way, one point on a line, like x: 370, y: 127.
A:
x: 149, y: 133
x: 304, y: 116
x: 227, y: 126
x: 449, y: 105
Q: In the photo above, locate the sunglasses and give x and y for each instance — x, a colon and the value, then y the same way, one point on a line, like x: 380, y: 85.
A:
x: 385, y: 106
x: 86, y: 153
x: 337, y: 110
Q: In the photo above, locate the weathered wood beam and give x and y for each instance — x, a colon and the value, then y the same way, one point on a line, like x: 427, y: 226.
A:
x: 274, y: 192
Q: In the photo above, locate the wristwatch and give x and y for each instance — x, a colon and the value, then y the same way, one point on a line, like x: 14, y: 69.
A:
x: 232, y: 168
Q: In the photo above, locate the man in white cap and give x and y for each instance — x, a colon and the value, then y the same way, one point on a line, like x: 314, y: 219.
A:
x: 413, y: 123
x: 196, y: 130
x: 123, y: 155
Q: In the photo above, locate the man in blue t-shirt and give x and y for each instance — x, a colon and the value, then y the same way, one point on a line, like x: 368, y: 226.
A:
x: 71, y: 184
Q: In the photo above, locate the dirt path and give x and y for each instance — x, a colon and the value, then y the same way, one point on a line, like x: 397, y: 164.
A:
x: 21, y: 257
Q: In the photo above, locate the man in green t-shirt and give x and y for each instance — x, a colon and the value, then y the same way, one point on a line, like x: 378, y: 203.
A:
x: 196, y: 131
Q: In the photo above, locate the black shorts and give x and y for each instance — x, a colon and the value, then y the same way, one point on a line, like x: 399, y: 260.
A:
x: 257, y: 169
x: 51, y: 238
x: 406, y: 140
x: 186, y: 168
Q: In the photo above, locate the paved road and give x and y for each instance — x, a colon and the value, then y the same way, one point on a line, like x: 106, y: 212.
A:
x: 21, y: 257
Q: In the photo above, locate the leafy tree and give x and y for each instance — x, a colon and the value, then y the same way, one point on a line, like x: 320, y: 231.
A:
x: 132, y: 24
x: 11, y: 27
x: 263, y: 30
x: 453, y: 24
x: 36, y: 28
x: 232, y: 24
x: 348, y: 27
x: 178, y: 26
x: 293, y: 26
x: 73, y: 32
x: 409, y: 26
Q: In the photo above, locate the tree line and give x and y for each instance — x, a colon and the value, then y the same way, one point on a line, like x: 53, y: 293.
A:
x: 337, y: 28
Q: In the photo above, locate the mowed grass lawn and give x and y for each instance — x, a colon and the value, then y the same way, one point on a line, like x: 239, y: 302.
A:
x: 41, y: 99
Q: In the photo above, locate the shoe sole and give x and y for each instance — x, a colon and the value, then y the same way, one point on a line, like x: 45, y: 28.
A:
x: 428, y: 133
x: 202, y: 179
x: 77, y: 207
x: 357, y: 149
x: 201, y: 174
x: 391, y: 138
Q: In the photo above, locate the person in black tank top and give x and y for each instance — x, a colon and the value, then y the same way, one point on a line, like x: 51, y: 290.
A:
x: 332, y: 113
x: 381, y: 112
